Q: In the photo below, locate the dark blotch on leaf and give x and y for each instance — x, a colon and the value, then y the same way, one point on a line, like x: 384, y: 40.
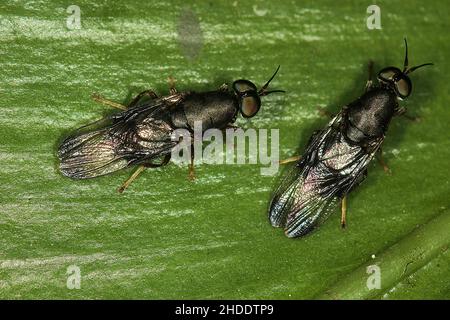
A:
x: 190, y: 36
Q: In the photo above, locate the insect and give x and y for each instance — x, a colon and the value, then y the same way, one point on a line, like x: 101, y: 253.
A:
x: 336, y: 158
x: 141, y: 133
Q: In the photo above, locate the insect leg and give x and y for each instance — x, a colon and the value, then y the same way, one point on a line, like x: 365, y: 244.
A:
x: 402, y: 112
x: 191, y: 165
x: 98, y: 98
x: 139, y: 170
x: 135, y: 174
x: 290, y: 159
x: 382, y: 162
x: 343, y: 211
x: 171, y: 80
x: 324, y: 112
x: 149, y: 93
x: 370, y: 72
x: 297, y: 158
x: 223, y: 87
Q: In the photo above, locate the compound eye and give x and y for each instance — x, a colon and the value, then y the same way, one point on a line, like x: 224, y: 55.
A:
x: 241, y: 86
x: 403, y: 87
x: 250, y: 104
x: 389, y: 73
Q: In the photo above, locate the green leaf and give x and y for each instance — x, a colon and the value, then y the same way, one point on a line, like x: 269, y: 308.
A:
x: 168, y: 237
x: 399, y: 264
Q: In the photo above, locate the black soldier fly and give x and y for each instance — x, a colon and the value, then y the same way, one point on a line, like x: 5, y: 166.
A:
x: 336, y: 158
x: 141, y: 133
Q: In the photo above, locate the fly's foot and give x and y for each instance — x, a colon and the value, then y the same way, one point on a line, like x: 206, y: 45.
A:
x: 98, y: 98
x: 133, y: 177
x: 402, y: 112
x: 412, y: 118
x: 191, y: 175
x: 344, y: 212
x: 383, y: 164
x: 290, y: 159
x: 223, y: 87
x: 369, y: 83
x: 386, y: 169
x: 147, y: 93
x: 171, y: 80
x: 324, y: 112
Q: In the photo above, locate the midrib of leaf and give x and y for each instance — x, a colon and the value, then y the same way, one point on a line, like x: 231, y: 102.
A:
x: 396, y: 262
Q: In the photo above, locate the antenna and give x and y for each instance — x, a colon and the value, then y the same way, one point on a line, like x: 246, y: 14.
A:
x: 262, y: 91
x: 417, y: 67
x: 405, y: 64
x: 407, y: 70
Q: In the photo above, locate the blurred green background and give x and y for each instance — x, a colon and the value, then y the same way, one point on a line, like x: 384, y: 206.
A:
x: 167, y: 237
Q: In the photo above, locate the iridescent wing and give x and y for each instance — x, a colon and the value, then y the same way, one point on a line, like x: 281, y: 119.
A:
x: 132, y: 136
x: 330, y: 167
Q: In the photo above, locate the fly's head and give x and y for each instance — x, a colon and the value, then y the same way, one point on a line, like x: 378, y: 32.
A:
x: 249, y: 96
x: 398, y: 80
